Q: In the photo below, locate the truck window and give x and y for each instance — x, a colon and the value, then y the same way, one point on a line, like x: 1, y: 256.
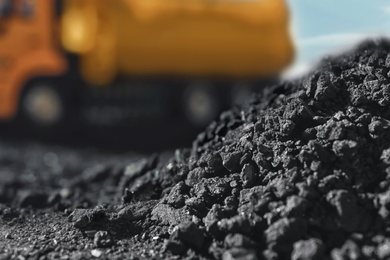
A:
x: 5, y: 8
x: 59, y: 7
x: 27, y: 8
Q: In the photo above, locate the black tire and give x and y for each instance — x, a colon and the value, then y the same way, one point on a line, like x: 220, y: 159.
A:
x: 241, y: 92
x: 46, y: 107
x: 201, y: 103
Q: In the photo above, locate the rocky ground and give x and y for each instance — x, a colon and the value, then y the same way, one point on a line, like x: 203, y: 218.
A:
x: 301, y: 172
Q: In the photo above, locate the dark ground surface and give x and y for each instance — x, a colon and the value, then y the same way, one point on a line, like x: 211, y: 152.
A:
x: 301, y: 172
x: 146, y: 138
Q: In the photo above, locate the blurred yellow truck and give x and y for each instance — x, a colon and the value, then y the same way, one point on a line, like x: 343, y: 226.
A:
x: 47, y: 47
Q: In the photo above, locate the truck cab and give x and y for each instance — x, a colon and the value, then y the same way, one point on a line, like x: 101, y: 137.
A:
x: 28, y: 49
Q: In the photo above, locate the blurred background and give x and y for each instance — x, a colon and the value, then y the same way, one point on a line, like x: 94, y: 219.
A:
x: 149, y: 75
x: 328, y: 27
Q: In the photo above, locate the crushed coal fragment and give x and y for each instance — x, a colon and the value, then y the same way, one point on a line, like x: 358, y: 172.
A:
x: 347, y: 212
x: 238, y: 240
x: 103, y: 239
x: 175, y: 247
x: 286, y: 230
x: 33, y: 199
x: 239, y: 254
x: 136, y: 211
x: 231, y: 161
x: 189, y: 234
x: 83, y: 218
x: 168, y: 215
x: 311, y: 249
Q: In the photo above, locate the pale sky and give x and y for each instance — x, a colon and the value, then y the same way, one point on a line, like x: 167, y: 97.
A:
x: 323, y: 27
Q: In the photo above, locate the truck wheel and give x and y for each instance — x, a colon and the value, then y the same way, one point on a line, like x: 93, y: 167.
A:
x: 201, y: 104
x: 240, y: 93
x: 43, y: 106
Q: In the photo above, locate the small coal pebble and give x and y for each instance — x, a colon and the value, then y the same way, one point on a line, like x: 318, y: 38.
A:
x: 190, y: 234
x: 312, y: 249
x: 239, y: 254
x: 83, y: 218
x: 33, y: 199
x: 103, y: 239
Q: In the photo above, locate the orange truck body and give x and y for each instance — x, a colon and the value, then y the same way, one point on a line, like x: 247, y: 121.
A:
x: 183, y: 38
x: 28, y: 48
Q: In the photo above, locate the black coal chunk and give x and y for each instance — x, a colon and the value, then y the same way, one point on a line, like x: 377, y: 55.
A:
x: 311, y: 249
x: 239, y: 254
x: 346, y: 208
x: 231, y: 161
x: 83, y: 218
x: 33, y: 199
x: 189, y: 234
x: 168, y: 215
x: 103, y: 239
x: 239, y: 240
x: 286, y: 230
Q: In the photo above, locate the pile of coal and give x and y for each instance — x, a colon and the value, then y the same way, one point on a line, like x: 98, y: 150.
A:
x: 301, y: 172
